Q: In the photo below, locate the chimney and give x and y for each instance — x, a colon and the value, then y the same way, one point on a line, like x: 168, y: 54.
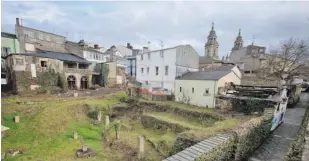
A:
x: 17, y: 22
x: 129, y: 46
x: 96, y: 46
x: 21, y: 22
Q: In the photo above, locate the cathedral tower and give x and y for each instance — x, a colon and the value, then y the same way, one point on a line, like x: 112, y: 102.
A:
x: 238, y: 42
x: 211, y: 46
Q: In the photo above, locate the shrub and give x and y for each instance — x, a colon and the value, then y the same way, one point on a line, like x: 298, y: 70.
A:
x: 155, y: 123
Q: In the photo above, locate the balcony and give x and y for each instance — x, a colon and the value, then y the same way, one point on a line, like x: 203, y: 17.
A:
x: 75, y: 70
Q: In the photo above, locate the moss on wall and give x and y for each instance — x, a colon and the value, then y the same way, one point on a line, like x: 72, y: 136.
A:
x: 152, y: 122
x: 297, y: 146
x: 246, y: 106
x: 49, y: 81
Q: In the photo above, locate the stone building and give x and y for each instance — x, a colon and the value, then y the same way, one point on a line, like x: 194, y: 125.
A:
x: 33, y: 40
x: 211, y: 58
x: 47, y: 70
x: 250, y: 58
x: 94, y: 54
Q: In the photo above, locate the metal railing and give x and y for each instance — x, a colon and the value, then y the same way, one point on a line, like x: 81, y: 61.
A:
x: 75, y: 70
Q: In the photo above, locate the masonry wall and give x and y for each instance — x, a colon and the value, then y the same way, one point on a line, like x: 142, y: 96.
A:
x: 26, y: 73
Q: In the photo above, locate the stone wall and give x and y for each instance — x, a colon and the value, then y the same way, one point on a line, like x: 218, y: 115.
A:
x: 246, y: 106
x: 237, y: 145
x: 299, y: 149
x: 249, y: 80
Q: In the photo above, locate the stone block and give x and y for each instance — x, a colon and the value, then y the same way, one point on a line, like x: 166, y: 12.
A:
x: 16, y: 119
x: 75, y: 135
x: 75, y: 94
x: 34, y: 87
x: 140, y: 147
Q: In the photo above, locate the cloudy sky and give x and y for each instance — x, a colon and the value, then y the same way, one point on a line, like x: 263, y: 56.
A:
x: 116, y: 23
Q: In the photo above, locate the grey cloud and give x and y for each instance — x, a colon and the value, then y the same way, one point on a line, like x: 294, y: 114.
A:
x: 109, y: 23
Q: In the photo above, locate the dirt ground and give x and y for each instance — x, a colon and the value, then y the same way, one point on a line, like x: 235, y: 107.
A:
x: 100, y: 92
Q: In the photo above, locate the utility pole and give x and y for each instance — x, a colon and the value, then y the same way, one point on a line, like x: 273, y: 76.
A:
x: 163, y: 73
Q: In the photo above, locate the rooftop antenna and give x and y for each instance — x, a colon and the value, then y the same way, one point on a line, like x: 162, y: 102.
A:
x: 161, y: 44
x: 253, y: 39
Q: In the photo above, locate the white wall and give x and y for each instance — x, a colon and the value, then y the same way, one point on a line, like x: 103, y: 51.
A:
x: 91, y: 56
x: 197, y: 97
x: 168, y: 59
x: 179, y: 60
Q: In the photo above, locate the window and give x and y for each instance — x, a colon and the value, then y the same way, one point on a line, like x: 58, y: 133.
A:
x: 166, y: 70
x: 96, y: 57
x: 161, y: 54
x: 180, y: 89
x: 148, y: 56
x: 206, y: 91
x: 147, y: 70
x: 157, y: 70
x: 5, y: 51
x: 142, y: 70
x: 41, y: 36
x: 142, y: 57
x: 192, y: 90
x: 29, y: 34
x: 146, y: 82
x: 247, y: 71
x: 43, y: 63
x: 71, y: 65
x: 47, y: 38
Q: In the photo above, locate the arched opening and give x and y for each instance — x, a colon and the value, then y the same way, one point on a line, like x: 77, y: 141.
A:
x: 84, y: 82
x: 71, y: 82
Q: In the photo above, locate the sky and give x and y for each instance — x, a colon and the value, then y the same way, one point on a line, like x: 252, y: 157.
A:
x: 174, y: 22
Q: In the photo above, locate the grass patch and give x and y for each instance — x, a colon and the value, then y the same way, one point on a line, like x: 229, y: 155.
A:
x: 184, y: 121
x: 179, y: 105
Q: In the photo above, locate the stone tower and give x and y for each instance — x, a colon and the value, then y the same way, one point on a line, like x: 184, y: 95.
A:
x: 211, y: 47
x: 238, y: 42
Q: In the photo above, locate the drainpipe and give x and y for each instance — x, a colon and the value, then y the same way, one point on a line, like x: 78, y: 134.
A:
x: 214, y: 101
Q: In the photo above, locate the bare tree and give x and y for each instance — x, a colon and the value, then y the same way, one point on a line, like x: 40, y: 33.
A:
x: 285, y: 61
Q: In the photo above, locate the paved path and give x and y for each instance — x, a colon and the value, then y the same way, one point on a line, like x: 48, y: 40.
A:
x: 195, y: 151
x: 277, y: 145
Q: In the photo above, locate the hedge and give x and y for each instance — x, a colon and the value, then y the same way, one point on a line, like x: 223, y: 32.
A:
x: 297, y: 146
x: 252, y: 134
x: 152, y: 107
x: 155, y: 123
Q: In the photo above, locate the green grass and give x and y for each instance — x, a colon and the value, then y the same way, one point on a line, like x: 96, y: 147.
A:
x: 45, y: 130
x: 179, y: 105
x: 184, y: 121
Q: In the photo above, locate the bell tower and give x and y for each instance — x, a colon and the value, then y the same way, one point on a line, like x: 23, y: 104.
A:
x: 211, y: 46
x: 238, y: 44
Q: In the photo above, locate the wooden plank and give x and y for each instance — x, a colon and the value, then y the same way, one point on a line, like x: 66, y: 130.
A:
x: 177, y: 156
x: 190, y: 153
x: 205, y: 145
x: 197, y: 153
x: 184, y: 155
x: 197, y: 149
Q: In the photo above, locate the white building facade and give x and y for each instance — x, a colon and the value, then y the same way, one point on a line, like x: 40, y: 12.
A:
x: 200, y: 88
x: 159, y: 68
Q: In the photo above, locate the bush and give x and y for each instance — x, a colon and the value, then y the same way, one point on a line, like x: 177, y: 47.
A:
x: 251, y: 135
x: 155, y: 123
x: 297, y: 146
